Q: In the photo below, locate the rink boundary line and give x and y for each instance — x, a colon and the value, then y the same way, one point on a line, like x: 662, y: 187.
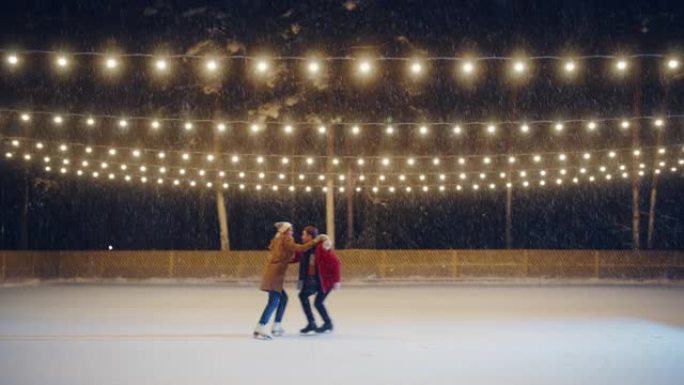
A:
x: 119, y: 337
x: 357, y: 283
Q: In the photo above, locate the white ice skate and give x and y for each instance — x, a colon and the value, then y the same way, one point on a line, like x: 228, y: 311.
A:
x: 277, y: 330
x: 261, y: 333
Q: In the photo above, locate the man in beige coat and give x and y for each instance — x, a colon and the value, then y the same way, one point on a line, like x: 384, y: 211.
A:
x: 281, y: 253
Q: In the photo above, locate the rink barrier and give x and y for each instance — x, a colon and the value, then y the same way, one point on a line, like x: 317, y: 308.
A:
x: 367, y: 265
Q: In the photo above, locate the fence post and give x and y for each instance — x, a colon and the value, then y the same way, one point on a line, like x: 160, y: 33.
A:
x: 383, y: 262
x: 455, y: 271
x: 171, y: 264
x: 597, y: 265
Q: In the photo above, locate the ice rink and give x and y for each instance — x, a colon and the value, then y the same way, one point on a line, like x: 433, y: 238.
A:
x: 408, y: 334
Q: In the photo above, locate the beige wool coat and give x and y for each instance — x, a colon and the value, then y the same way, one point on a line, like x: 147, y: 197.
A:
x: 281, y: 253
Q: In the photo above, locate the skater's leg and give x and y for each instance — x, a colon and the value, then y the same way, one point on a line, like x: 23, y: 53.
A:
x: 306, y: 305
x: 281, y: 307
x: 271, y: 305
x: 320, y: 306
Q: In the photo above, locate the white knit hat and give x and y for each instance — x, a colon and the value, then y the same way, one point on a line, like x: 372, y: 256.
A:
x: 283, y: 226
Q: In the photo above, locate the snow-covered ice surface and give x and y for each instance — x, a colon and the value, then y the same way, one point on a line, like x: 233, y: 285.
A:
x: 408, y: 334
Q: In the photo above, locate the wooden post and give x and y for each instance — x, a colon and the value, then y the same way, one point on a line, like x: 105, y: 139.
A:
x: 635, y: 162
x: 221, y: 212
x: 597, y: 265
x: 455, y: 264
x: 330, y: 192
x: 171, y: 264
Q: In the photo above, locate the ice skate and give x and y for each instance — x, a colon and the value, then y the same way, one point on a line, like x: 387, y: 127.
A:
x: 326, y: 328
x: 277, y: 330
x: 261, y: 333
x: 311, y: 327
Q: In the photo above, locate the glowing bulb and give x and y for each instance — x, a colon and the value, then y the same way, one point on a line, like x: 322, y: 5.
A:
x: 621, y: 65
x: 161, y: 155
x: 123, y: 123
x: 519, y: 67
x: 385, y: 162
x: 39, y: 145
x: 591, y: 125
x: 365, y: 67
x: 254, y: 127
x: 63, y: 147
x: 262, y: 66
x: 58, y: 119
x: 659, y: 123
x: 559, y: 127
x: 285, y: 160
x: 611, y: 154
x: 25, y: 117
x: 111, y: 63
x: 511, y: 159
x: 260, y: 159
x: 288, y: 129
x: 673, y: 64
x: 309, y: 161
x: 389, y: 130
x: 136, y: 153
x: 210, y: 158
x: 624, y: 124
x: 321, y: 130
x: 416, y: 68
x: 491, y: 129
x: 562, y: 157
x: 186, y: 156
x: 410, y: 161
x: 188, y: 126
x: 570, y: 66
x: 161, y: 65
x: 13, y: 60
x: 524, y: 128
x: 211, y: 65
x: 356, y: 130
x: 62, y: 61
x: 537, y: 159
x: 221, y: 127
x: 468, y: 67
x: 314, y: 67
x: 90, y: 121
x: 423, y: 130
x: 457, y: 130
x: 487, y: 160
x: 435, y: 161
x: 336, y: 161
x: 235, y: 159
x: 112, y: 151
x: 155, y: 124
x: 586, y: 156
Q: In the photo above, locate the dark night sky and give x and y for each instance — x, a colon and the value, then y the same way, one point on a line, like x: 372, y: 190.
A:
x: 64, y: 214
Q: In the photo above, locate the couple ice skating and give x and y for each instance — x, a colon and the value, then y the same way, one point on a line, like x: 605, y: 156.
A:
x: 319, y: 273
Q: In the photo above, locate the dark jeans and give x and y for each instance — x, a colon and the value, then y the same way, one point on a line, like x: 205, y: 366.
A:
x: 275, y: 300
x: 309, y: 288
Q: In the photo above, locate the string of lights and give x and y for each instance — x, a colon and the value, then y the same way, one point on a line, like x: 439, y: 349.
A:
x: 64, y: 161
x: 314, y: 65
x: 304, y: 162
x: 523, y: 180
x: 421, y: 128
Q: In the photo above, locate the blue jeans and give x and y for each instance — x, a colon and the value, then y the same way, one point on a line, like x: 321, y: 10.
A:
x: 275, y: 300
